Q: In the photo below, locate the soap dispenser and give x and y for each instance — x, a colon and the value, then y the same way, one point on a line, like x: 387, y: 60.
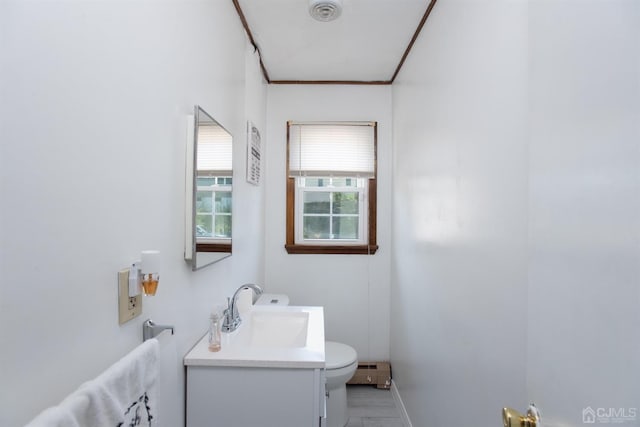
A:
x: 215, y: 334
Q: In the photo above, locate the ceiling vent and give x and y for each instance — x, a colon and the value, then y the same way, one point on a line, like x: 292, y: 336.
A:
x: 325, y: 10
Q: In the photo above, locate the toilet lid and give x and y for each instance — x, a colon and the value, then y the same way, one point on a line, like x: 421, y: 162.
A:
x: 338, y: 355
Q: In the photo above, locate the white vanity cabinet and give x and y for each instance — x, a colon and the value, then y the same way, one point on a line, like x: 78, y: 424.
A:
x: 260, y: 397
x: 270, y: 372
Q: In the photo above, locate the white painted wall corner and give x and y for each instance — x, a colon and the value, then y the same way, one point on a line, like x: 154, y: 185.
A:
x: 400, y: 404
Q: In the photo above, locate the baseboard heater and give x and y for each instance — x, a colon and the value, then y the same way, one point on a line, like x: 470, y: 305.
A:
x: 373, y: 373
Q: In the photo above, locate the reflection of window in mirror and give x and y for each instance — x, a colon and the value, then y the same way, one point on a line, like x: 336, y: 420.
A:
x: 214, y: 189
x: 213, y: 208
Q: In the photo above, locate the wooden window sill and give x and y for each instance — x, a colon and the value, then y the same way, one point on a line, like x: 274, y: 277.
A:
x: 332, y: 249
x: 213, y: 247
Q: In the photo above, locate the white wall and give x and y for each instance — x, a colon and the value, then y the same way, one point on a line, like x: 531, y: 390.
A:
x: 354, y: 289
x: 458, y: 314
x: 517, y: 154
x: 93, y: 107
x: 584, y: 208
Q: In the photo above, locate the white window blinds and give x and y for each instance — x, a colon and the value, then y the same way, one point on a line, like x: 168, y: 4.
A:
x: 332, y: 149
x: 214, y: 150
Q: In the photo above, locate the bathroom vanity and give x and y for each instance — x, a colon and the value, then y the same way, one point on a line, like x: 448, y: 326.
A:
x: 269, y: 372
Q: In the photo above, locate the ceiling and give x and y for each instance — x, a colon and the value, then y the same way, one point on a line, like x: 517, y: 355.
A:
x: 366, y: 44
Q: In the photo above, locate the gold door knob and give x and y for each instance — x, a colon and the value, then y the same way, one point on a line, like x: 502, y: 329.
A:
x: 513, y: 418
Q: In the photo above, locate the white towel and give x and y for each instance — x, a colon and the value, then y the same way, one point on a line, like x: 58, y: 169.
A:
x: 125, y: 395
x: 65, y: 414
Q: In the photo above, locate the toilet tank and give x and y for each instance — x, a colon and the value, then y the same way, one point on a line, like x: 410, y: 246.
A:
x: 272, y: 299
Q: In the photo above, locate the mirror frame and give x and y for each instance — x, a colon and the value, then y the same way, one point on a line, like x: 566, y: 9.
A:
x: 200, y: 255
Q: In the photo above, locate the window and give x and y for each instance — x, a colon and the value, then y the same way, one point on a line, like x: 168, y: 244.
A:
x: 213, y: 208
x: 331, y: 210
x: 331, y: 188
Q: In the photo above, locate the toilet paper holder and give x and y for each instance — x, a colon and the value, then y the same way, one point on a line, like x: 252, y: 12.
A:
x: 513, y: 418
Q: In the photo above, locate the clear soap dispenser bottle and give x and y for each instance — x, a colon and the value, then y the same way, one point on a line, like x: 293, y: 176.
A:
x: 215, y: 335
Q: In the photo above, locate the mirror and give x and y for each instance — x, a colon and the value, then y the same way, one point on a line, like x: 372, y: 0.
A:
x: 209, y: 182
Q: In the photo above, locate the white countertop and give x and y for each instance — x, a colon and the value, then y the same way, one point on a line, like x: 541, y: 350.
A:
x: 237, y: 353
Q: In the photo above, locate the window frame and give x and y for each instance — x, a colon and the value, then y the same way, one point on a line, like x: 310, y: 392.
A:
x: 328, y: 247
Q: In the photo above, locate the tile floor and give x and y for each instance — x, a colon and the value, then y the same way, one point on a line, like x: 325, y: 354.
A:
x: 371, y: 407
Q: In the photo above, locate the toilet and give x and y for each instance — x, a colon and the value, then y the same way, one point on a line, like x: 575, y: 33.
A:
x: 341, y: 362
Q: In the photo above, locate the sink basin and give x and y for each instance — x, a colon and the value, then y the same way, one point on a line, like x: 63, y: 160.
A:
x: 268, y: 337
x: 278, y: 329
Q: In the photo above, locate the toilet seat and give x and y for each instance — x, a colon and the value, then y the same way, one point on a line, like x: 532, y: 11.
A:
x: 338, y: 355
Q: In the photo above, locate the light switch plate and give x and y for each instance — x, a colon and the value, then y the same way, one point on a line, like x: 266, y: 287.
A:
x: 128, y: 307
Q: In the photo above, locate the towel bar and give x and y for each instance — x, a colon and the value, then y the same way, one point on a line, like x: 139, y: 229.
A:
x: 151, y: 330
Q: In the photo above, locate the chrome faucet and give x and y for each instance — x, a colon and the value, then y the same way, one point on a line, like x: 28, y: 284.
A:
x: 231, y: 316
x: 151, y: 330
